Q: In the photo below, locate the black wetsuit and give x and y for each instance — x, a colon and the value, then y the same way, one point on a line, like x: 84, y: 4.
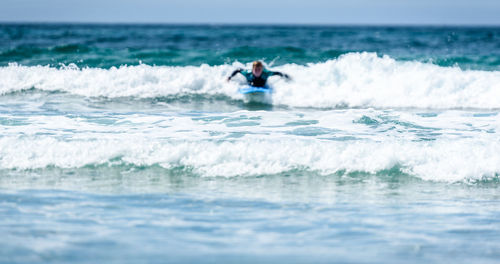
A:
x: 257, y: 81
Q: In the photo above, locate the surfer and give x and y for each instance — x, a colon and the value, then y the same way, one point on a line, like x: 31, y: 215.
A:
x: 258, y: 76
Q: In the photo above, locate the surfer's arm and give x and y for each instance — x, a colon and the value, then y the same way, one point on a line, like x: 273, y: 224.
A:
x: 281, y: 74
x: 234, y: 73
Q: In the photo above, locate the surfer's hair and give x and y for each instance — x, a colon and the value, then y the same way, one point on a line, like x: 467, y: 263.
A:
x: 257, y: 64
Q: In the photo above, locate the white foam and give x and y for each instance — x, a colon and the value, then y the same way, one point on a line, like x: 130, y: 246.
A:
x: 355, y: 79
x: 441, y: 160
x: 465, y: 145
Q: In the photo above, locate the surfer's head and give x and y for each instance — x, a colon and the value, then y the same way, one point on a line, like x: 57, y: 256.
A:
x: 257, y: 68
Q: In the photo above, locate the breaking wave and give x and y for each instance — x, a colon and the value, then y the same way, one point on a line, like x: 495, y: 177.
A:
x: 352, y: 80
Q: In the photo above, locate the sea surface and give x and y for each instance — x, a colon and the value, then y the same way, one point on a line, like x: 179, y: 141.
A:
x: 126, y: 144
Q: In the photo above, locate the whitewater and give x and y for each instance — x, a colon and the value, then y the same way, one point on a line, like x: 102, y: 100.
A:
x: 246, y: 143
x: 352, y: 80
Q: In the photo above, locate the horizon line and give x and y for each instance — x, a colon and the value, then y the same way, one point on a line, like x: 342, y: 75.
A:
x: 251, y: 24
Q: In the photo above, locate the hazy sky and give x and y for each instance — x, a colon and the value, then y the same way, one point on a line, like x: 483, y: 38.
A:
x: 463, y: 12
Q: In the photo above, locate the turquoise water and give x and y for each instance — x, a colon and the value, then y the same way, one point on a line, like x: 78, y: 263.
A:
x: 105, y: 46
x: 125, y: 144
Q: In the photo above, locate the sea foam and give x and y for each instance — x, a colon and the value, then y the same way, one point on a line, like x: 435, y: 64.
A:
x: 352, y: 80
x: 442, y: 160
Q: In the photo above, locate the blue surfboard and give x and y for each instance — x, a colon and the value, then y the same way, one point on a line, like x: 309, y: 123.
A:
x: 253, y: 89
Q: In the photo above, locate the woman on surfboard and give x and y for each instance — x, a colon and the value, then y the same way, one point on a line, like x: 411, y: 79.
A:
x: 258, y: 76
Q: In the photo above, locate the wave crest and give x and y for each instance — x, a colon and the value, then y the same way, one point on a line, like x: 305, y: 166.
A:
x: 352, y: 80
x: 434, y: 161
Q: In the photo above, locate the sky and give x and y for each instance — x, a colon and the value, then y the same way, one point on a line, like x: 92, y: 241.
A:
x: 366, y: 12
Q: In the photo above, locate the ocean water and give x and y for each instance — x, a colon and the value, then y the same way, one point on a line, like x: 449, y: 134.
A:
x: 125, y: 144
